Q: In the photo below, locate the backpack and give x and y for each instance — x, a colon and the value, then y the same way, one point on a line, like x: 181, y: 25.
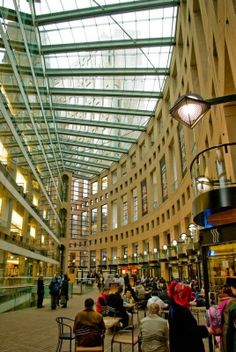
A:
x: 214, y: 317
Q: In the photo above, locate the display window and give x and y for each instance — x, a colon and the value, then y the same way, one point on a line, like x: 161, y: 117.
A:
x: 221, y: 264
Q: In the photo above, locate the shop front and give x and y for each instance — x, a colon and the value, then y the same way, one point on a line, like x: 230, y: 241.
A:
x: 218, y: 247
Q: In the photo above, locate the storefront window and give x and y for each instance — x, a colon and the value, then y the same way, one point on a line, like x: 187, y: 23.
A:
x: 221, y: 263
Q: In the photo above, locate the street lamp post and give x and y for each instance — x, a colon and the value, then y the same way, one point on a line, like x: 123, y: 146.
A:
x: 190, y: 108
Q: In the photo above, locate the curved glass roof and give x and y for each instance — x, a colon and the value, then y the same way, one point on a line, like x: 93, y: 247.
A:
x: 80, y: 79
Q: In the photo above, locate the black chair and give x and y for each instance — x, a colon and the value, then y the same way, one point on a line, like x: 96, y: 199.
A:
x: 65, y: 330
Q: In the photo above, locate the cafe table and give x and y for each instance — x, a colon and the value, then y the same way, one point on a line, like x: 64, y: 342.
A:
x: 111, y: 322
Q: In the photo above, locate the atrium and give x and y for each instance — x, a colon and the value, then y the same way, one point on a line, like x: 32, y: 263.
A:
x: 95, y: 174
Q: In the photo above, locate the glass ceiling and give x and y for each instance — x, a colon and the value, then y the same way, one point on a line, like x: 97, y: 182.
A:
x: 80, y: 79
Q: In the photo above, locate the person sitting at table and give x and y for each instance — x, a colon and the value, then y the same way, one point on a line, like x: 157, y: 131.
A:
x: 116, y: 306
x: 140, y: 291
x: 128, y: 297
x: 101, y: 304
x: 133, y: 294
x: 154, y: 331
x: 89, y: 326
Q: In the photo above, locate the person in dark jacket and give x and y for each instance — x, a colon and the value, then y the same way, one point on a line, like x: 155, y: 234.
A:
x: 185, y: 334
x: 40, y: 291
x: 89, y: 326
x: 116, y: 307
x: 64, y: 293
x: 54, y: 290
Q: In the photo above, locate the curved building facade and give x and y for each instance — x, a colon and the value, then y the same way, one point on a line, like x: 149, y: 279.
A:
x: 162, y: 207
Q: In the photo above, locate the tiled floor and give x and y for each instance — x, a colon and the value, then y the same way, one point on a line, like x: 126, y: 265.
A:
x: 35, y: 330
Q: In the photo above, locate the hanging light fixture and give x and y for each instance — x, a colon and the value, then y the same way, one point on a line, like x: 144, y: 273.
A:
x: 190, y: 108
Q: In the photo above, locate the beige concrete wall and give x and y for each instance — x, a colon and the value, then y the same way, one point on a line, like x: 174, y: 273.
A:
x: 203, y: 63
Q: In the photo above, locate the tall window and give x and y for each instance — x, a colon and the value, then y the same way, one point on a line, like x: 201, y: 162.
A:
x: 134, y: 204
x: 20, y: 180
x: 142, y: 151
x: 151, y: 138
x: 135, y: 249
x: 114, y: 176
x: 33, y: 231
x: 3, y: 154
x: 104, y: 218
x: 154, y: 188
x: 95, y: 187
x: 45, y: 214
x: 83, y: 259
x: 123, y: 169
x: 114, y: 214
x: 76, y: 190
x: 74, y: 226
x: 92, y: 258
x: 173, y: 167
x: 35, y: 200
x: 144, y: 197
x: 114, y: 253
x: 103, y: 256
x: 64, y: 189
x: 94, y: 214
x: 63, y: 216
x: 124, y: 210
x: 124, y: 252
x: 163, y: 179
x: 85, y: 188
x: 133, y: 160
x: 104, y: 183
x: 182, y: 148
x: 16, y: 222
x: 84, y: 223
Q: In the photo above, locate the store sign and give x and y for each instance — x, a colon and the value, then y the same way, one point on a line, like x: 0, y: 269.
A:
x: 215, y: 235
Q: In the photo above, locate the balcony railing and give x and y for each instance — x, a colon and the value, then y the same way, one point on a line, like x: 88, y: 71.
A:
x: 213, y: 173
x: 214, y: 168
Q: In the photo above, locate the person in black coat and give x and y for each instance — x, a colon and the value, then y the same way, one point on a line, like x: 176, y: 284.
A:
x: 64, y: 294
x: 116, y: 307
x: 40, y: 291
x: 185, y: 334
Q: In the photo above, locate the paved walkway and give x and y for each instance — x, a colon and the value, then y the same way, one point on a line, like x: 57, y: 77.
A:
x: 35, y: 330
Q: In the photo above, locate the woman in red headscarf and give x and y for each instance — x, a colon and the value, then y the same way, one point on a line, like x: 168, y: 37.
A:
x: 185, y: 334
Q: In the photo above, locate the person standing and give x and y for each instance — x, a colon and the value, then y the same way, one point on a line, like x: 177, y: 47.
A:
x: 185, y: 334
x: 64, y: 292
x: 228, y: 337
x: 54, y: 290
x: 100, y: 282
x: 126, y: 282
x: 40, y: 291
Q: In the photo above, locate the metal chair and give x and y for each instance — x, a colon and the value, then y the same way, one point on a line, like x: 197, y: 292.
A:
x: 136, y: 311
x: 125, y: 336
x: 65, y: 330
